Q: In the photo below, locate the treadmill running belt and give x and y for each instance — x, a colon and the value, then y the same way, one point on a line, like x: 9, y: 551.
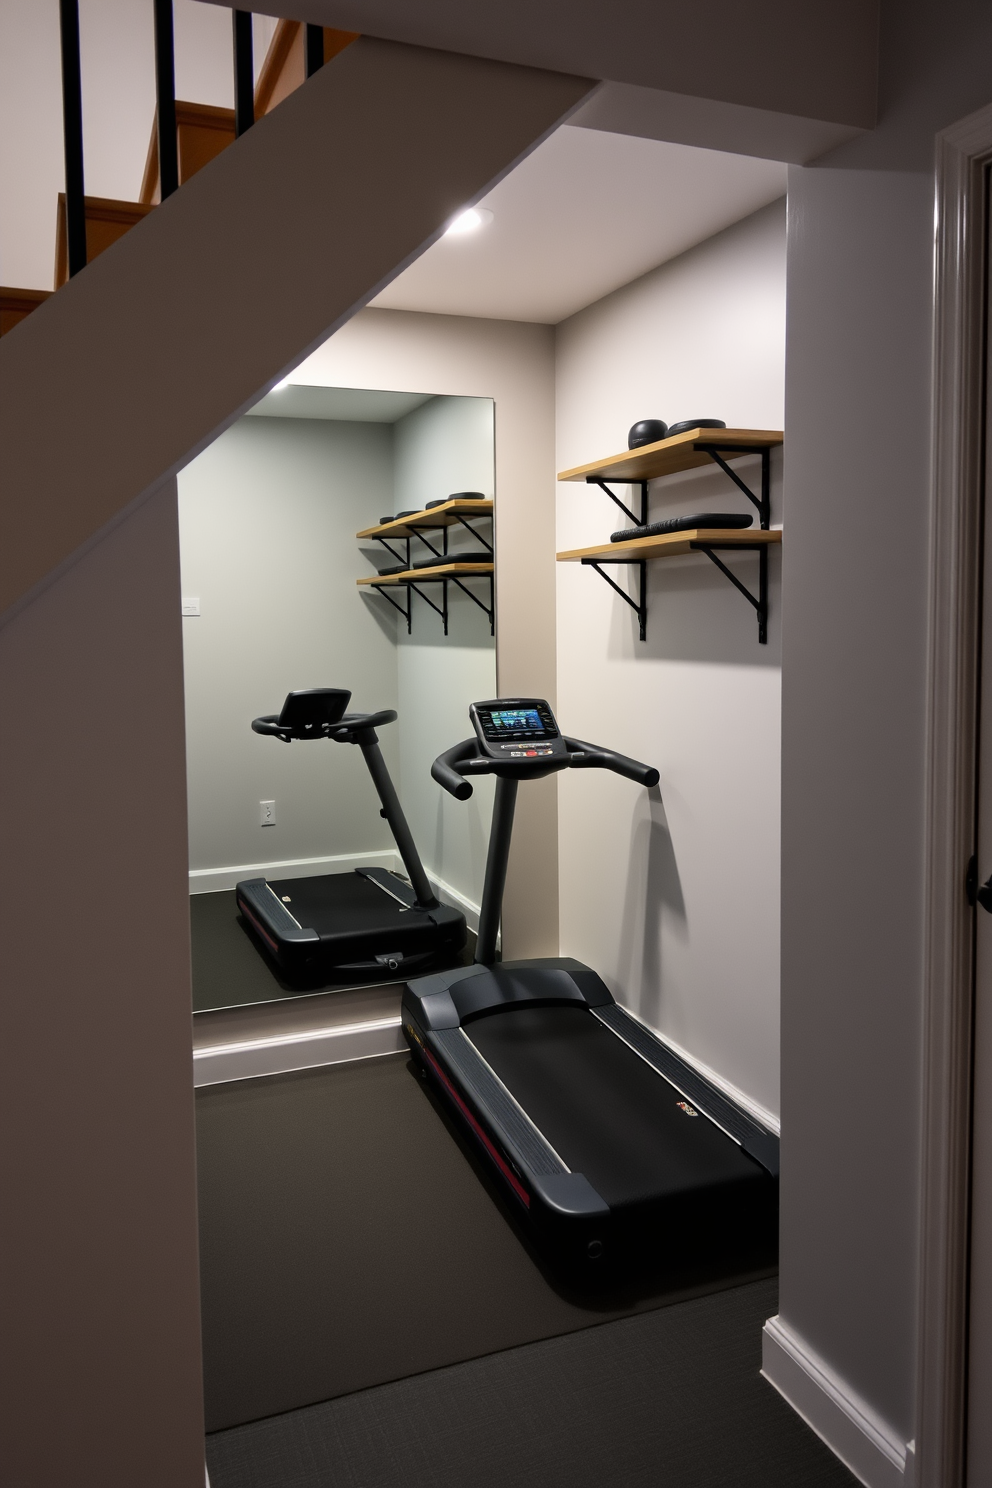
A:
x: 343, y: 903
x: 605, y: 1112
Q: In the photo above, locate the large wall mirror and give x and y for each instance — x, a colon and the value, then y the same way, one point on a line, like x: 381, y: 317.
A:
x: 283, y: 522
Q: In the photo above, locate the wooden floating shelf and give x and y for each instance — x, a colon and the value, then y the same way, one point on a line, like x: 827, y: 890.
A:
x: 439, y: 571
x: 669, y: 456
x: 673, y: 544
x: 445, y: 515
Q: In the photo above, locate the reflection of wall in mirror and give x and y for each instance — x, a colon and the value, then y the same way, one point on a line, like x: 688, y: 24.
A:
x: 446, y: 445
x: 268, y: 516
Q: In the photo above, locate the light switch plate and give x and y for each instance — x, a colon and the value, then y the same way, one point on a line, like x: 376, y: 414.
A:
x: 191, y: 606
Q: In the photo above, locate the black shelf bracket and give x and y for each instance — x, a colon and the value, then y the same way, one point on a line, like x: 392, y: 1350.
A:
x: 469, y: 528
x: 442, y: 608
x: 383, y: 589
x: 638, y: 521
x: 490, y: 608
x: 762, y: 502
x: 719, y: 454
x: 402, y: 557
x: 640, y: 606
x: 761, y: 603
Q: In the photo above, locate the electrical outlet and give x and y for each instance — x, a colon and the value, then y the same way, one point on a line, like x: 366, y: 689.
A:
x: 191, y: 606
x: 267, y: 813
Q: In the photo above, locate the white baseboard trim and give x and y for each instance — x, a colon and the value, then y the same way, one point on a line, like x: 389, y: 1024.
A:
x: 217, y: 1064
x: 851, y: 1429
x: 212, y: 880
x: 448, y: 895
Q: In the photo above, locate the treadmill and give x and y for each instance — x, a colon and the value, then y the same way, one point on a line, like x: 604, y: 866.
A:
x: 608, y: 1146
x: 364, y: 923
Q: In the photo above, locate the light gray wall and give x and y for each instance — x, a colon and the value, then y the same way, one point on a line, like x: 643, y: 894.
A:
x: 442, y: 447
x: 854, y: 663
x: 445, y: 446
x: 268, y: 516
x: 675, y: 900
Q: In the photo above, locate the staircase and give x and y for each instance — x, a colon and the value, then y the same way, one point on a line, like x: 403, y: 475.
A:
x: 202, y: 132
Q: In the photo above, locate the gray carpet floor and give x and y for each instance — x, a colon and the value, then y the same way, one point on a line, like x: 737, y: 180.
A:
x: 670, y: 1398
x: 346, y: 1240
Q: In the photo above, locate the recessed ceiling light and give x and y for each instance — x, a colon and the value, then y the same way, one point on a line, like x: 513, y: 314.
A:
x: 468, y: 222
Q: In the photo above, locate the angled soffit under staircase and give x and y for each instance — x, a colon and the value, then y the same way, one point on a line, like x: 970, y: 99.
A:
x: 814, y: 60
x: 117, y: 381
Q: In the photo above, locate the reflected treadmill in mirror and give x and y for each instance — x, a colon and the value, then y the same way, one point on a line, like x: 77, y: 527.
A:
x: 369, y: 922
x: 268, y: 516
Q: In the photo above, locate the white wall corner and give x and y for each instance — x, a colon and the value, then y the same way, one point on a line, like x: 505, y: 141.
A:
x: 851, y: 1429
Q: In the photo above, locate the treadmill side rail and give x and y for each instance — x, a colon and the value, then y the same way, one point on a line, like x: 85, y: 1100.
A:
x: 531, y: 1152
x: 758, y: 1143
x: 254, y: 894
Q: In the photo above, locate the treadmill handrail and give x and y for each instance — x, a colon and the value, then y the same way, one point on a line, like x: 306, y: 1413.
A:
x: 450, y: 768
x: 341, y: 731
x: 583, y: 756
x: 462, y: 759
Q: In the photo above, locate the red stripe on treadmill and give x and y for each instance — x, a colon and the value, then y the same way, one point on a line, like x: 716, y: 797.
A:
x: 266, y: 937
x: 504, y: 1167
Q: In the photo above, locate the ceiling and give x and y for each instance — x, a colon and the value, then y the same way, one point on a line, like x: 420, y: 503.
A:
x: 582, y: 215
x: 353, y: 405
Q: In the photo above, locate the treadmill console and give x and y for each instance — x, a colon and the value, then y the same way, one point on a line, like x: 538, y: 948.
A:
x: 516, y: 728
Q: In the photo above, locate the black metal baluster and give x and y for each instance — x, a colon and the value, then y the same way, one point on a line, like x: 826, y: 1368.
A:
x: 72, y: 125
x: 244, y: 72
x: 314, y: 49
x: 165, y: 91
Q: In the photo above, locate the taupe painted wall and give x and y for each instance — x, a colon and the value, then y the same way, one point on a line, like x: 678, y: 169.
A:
x: 854, y: 661
x: 101, y: 1331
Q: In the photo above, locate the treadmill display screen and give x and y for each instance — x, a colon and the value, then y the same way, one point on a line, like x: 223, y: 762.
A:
x: 517, y: 718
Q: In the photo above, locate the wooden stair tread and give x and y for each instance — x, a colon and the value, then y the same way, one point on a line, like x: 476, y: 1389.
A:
x: 106, y: 221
